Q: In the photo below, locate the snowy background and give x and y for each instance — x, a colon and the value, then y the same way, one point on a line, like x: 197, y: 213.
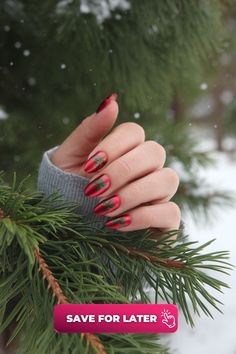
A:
x: 213, y: 336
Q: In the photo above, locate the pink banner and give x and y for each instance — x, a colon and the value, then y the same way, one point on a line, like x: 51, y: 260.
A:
x: 113, y: 318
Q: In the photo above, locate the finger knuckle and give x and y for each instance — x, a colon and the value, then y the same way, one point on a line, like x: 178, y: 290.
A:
x: 148, y: 217
x: 134, y: 128
x: 88, y: 135
x: 123, y: 167
x: 175, y: 212
x: 172, y: 177
x: 136, y: 189
x: 117, y: 142
x: 84, y: 125
x: 157, y: 149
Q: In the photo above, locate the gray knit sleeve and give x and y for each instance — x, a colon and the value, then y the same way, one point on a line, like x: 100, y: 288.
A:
x: 52, y: 179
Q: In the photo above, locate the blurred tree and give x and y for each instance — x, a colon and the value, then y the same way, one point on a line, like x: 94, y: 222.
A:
x: 210, y: 97
x: 60, y: 58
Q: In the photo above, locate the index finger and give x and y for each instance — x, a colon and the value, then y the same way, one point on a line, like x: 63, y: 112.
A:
x: 121, y: 140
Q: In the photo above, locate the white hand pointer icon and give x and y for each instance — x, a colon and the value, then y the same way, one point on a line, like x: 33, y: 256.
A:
x: 169, y: 320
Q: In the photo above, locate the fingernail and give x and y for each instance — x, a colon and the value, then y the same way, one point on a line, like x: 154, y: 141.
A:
x: 118, y: 222
x: 97, y: 186
x: 95, y: 162
x: 107, y: 100
x: 107, y: 205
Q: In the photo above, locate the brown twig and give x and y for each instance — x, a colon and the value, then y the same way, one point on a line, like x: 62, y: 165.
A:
x: 2, y: 215
x: 169, y: 263
x: 93, y: 340
x: 52, y: 282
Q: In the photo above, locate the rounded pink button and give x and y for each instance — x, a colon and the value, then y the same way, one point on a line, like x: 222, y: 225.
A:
x: 116, y: 318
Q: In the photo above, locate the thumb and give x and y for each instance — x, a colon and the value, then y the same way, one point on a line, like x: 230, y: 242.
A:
x: 87, y: 135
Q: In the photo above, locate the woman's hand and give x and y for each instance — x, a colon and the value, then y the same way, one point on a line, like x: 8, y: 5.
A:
x: 127, y: 173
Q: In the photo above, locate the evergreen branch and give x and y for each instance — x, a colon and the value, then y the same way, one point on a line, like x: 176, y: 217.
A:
x: 169, y: 263
x: 93, y: 340
x: 94, y: 266
x: 52, y: 282
x: 197, y: 197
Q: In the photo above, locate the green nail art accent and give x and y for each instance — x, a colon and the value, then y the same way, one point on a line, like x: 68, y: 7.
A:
x: 107, y: 205
x: 120, y: 221
x: 99, y: 184
x: 98, y: 160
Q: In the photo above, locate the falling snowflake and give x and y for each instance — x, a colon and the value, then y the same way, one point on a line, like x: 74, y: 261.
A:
x: 136, y: 115
x: 118, y: 17
x: 204, y: 86
x: 3, y: 114
x: 155, y: 28
x: 66, y: 120
x: 26, y: 52
x: 17, y: 158
x: 17, y: 45
x: 7, y: 28
x: 63, y: 66
x: 31, y: 81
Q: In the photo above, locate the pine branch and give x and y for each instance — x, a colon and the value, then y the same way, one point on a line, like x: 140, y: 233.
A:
x: 170, y: 263
x: 52, y: 282
x: 62, y: 299
x: 94, y: 266
x: 198, y: 198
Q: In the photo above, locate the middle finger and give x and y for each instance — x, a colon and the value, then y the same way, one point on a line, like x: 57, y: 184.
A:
x: 137, y: 163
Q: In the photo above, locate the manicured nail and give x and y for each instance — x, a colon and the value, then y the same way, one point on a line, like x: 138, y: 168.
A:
x: 107, y: 100
x: 107, y: 205
x: 118, y: 222
x: 97, y: 186
x: 95, y: 162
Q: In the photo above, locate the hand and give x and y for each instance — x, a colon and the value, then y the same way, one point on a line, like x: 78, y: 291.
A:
x: 126, y: 172
x: 169, y: 320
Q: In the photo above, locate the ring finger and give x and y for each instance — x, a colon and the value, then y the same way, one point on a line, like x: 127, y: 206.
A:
x: 158, y: 186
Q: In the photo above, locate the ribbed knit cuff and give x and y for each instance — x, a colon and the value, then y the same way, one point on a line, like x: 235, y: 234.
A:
x: 71, y: 186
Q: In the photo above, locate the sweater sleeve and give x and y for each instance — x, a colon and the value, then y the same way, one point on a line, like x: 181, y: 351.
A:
x: 52, y: 179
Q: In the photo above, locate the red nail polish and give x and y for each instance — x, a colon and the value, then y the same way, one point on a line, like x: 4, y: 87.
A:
x: 118, y: 222
x: 95, y: 162
x: 107, y: 205
x: 97, y: 186
x: 107, y: 100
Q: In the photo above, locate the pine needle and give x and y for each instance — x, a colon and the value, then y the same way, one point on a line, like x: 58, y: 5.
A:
x: 93, y: 340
